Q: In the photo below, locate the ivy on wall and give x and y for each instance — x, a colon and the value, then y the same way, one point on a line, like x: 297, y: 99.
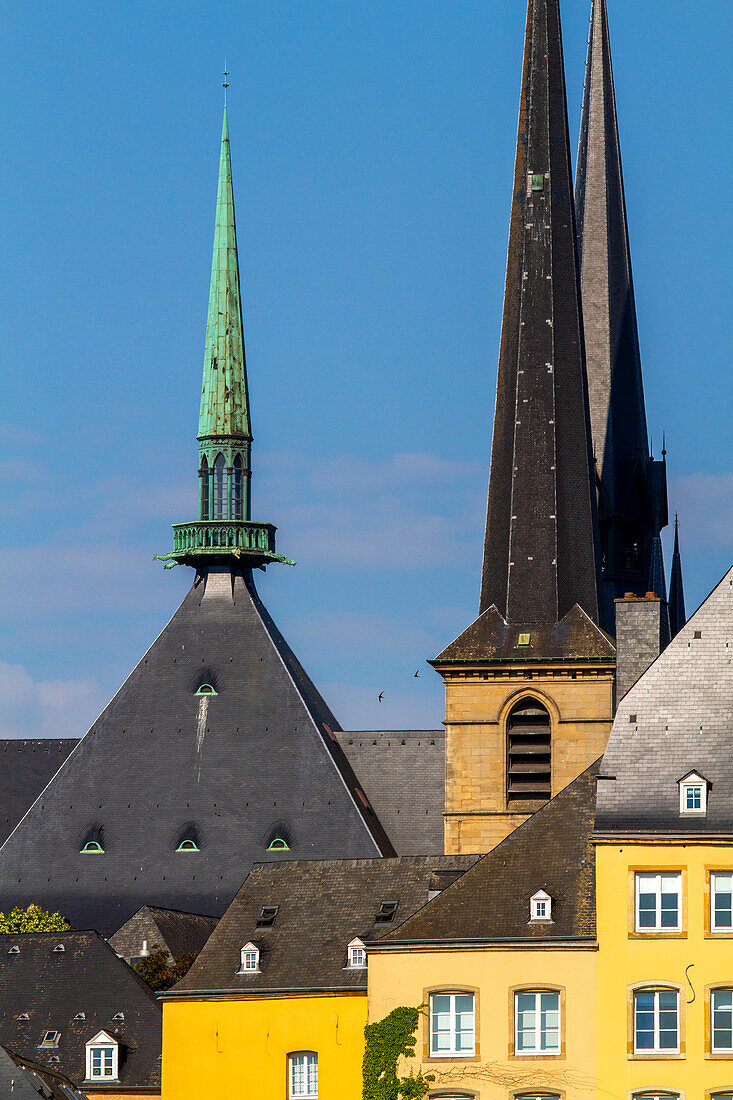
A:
x: 385, y: 1042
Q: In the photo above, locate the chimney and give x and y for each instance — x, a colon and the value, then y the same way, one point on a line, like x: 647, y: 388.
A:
x: 641, y: 635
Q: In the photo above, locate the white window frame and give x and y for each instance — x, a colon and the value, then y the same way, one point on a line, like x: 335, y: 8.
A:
x: 356, y: 955
x: 714, y: 994
x: 101, y: 1043
x: 657, y: 890
x: 693, y: 782
x: 540, y: 907
x: 714, y: 926
x: 655, y: 1094
x: 249, y: 959
x: 538, y: 1051
x: 310, y: 1057
x: 656, y: 1049
x: 452, y: 1052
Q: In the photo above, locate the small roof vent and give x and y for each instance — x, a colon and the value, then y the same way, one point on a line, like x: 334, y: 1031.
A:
x: 23, y: 1017
x: 119, y: 1016
x: 14, y: 950
x: 59, y: 947
x: 80, y: 1016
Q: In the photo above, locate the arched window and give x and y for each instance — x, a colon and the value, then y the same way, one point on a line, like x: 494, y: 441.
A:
x: 529, y: 761
x: 303, y: 1074
x: 204, y: 474
x: 220, y: 488
x: 278, y: 844
x: 237, y: 484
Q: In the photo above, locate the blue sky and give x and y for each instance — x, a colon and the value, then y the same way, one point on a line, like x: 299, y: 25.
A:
x: 372, y: 148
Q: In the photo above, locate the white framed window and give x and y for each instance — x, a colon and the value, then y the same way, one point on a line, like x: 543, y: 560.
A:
x: 540, y: 906
x: 303, y: 1074
x: 658, y: 901
x: 721, y: 1021
x: 537, y: 1023
x: 693, y: 794
x: 356, y: 955
x: 102, y: 1058
x: 656, y: 1096
x: 537, y: 1096
x: 656, y: 1021
x: 452, y: 1027
x: 721, y: 901
x: 249, y: 959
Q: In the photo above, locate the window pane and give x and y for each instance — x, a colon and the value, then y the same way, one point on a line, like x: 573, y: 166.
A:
x: 464, y: 1022
x: 550, y: 1021
x: 722, y: 901
x: 526, y: 1021
x: 722, y: 1019
x: 440, y: 1025
x: 644, y: 1021
x: 667, y: 1019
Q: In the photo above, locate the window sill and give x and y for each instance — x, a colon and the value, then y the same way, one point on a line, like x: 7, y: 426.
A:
x: 719, y: 1055
x: 657, y: 1056
x: 657, y: 935
x: 541, y: 1055
x: 441, y: 1059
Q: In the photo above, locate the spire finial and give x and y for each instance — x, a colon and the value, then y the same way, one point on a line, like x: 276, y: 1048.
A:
x: 225, y: 85
x: 664, y: 444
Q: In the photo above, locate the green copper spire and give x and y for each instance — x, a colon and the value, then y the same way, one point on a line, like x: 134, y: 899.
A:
x: 224, y: 398
x: 224, y: 531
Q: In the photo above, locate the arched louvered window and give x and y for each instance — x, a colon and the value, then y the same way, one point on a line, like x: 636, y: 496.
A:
x: 237, y: 483
x: 529, y: 753
x: 220, y: 488
x: 204, y: 473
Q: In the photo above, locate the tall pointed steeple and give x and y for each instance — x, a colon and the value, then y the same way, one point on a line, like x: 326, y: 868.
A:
x: 540, y: 554
x: 677, y: 617
x: 537, y: 649
x: 632, y: 494
x: 224, y: 531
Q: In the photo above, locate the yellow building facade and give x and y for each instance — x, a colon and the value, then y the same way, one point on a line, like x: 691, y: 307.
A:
x: 221, y: 1047
x: 693, y: 964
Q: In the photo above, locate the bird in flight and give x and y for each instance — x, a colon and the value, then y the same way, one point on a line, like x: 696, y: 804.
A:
x: 417, y: 674
x: 379, y: 697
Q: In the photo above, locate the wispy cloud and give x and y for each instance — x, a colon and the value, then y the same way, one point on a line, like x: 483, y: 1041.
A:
x: 46, y: 708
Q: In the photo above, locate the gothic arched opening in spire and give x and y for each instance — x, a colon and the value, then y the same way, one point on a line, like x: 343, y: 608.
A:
x: 237, y: 481
x: 220, y: 488
x: 204, y: 487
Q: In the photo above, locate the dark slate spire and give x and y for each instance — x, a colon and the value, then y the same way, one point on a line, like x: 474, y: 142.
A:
x: 540, y: 549
x: 631, y: 487
x: 677, y: 617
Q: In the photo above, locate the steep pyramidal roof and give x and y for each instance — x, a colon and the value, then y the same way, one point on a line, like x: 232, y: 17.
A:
x: 632, y: 486
x: 540, y: 550
x: 25, y: 768
x: 218, y: 745
x: 677, y: 618
x: 677, y: 718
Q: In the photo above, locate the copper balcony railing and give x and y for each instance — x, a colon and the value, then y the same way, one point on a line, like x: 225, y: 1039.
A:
x: 224, y: 537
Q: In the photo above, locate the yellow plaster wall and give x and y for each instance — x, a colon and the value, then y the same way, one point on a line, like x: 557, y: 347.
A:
x: 405, y: 977
x: 579, y: 698
x: 225, y: 1048
x: 625, y: 960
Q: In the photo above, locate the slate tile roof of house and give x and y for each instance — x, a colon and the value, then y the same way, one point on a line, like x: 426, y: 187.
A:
x: 677, y: 718
x: 175, y: 932
x: 322, y: 905
x: 26, y: 766
x: 78, y: 991
x: 403, y: 776
x: 551, y: 851
x: 23, y: 1079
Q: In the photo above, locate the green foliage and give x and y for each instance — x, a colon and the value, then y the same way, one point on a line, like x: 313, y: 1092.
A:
x: 33, y: 919
x: 157, y: 971
x: 385, y: 1042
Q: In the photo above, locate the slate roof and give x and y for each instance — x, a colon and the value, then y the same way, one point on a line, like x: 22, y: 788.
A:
x: 677, y: 718
x: 403, y: 776
x: 22, y: 1079
x: 491, y: 638
x: 53, y: 987
x: 26, y: 766
x: 175, y: 932
x: 322, y: 906
x: 633, y: 499
x: 233, y: 770
x: 540, y: 550
x: 551, y: 851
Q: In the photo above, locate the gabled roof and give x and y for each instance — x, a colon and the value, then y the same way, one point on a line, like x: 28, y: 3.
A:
x: 490, y: 637
x: 259, y: 757
x: 677, y: 717
x: 403, y: 776
x: 540, y: 549
x: 322, y: 907
x: 53, y: 987
x: 175, y: 932
x: 551, y: 851
x: 24, y: 1079
x: 25, y: 768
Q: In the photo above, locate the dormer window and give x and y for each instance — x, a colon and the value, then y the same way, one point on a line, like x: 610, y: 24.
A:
x: 249, y: 959
x: 102, y: 1058
x: 356, y: 955
x: 92, y: 847
x: 206, y: 689
x: 540, y: 907
x: 693, y: 795
x: 277, y: 844
x: 188, y: 846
